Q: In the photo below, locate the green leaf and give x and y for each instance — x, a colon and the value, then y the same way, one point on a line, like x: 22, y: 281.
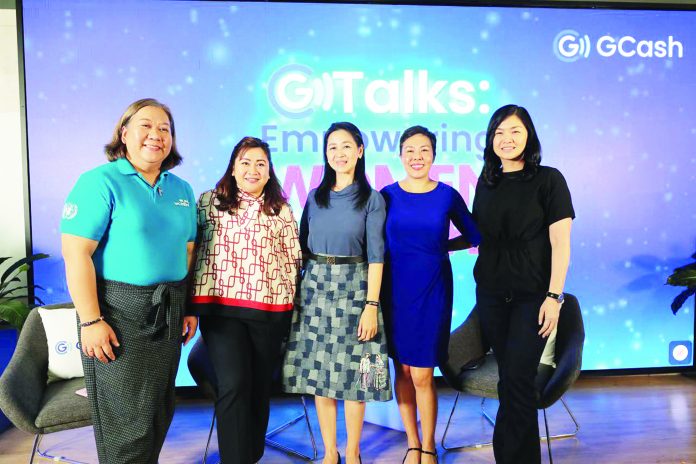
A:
x: 680, y: 299
x: 14, y: 311
x: 682, y: 278
x: 12, y: 291
x: 22, y: 265
x: 4, y: 285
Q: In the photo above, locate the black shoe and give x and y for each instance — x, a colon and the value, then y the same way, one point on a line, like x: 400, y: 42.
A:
x: 408, y: 451
x: 339, y: 457
x: 430, y: 453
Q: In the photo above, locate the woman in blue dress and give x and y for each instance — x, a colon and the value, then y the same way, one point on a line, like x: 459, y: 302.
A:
x: 417, y: 294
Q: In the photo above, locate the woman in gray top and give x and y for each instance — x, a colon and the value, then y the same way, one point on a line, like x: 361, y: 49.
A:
x: 337, y: 348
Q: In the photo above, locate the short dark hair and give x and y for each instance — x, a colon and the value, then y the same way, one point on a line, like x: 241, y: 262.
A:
x: 492, y: 166
x: 226, y: 189
x: 415, y: 130
x: 328, y: 180
x: 116, y: 149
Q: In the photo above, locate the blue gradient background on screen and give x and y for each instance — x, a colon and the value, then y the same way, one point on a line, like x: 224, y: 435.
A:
x: 621, y: 129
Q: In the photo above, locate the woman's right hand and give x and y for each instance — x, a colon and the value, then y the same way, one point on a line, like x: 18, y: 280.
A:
x: 97, y: 340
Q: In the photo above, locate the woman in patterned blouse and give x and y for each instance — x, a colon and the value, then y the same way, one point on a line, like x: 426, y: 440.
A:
x: 247, y: 262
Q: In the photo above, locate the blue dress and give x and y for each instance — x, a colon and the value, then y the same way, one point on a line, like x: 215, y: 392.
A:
x: 417, y: 288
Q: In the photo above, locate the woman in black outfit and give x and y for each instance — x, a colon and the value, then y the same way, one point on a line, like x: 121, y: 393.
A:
x: 524, y: 213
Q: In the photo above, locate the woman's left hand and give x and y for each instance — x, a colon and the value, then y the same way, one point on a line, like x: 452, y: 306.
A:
x: 548, y: 316
x: 190, y: 326
x: 367, y: 328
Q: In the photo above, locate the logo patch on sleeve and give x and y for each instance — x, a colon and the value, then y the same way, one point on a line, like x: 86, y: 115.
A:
x: 69, y: 211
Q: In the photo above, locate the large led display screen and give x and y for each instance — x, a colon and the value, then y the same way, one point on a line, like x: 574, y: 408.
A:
x: 611, y: 93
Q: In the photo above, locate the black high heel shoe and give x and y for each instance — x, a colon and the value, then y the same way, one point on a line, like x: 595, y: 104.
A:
x: 430, y: 453
x: 339, y: 457
x: 408, y: 451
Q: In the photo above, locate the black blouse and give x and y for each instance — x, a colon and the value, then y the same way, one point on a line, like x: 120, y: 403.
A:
x: 514, y: 218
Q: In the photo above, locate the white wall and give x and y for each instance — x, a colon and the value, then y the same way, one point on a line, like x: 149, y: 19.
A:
x: 12, y: 230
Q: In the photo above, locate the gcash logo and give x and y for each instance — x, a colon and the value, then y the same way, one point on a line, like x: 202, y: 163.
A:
x: 569, y: 45
x: 295, y: 91
x: 64, y: 347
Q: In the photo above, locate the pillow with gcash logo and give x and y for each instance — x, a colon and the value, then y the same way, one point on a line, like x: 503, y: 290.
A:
x: 64, y: 358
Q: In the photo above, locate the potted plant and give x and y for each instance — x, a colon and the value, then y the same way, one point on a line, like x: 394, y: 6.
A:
x: 684, y: 276
x: 16, y: 300
x: 14, y: 304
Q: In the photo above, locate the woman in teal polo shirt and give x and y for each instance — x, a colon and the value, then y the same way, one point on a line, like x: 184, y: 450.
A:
x: 128, y: 232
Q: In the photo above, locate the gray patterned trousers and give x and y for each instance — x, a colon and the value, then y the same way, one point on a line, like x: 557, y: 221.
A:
x: 132, y: 398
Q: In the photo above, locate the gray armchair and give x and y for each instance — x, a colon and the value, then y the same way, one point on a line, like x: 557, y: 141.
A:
x: 28, y: 401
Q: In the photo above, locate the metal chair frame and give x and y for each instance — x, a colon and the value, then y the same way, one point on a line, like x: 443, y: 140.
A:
x: 271, y: 433
x: 491, y: 421
x: 36, y: 449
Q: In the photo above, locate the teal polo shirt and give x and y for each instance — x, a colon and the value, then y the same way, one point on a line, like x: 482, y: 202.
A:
x: 142, y: 229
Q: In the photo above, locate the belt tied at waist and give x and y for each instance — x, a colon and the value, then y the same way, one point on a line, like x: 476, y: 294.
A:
x: 324, y: 259
x: 162, y: 297
x: 166, y: 300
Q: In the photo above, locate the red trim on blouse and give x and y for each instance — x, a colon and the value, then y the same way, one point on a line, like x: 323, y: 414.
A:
x: 274, y: 308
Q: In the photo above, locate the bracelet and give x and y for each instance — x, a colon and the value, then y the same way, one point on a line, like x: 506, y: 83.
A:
x: 88, y: 323
x: 372, y: 303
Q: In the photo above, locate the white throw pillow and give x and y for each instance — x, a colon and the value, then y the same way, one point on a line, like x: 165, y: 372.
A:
x: 549, y: 355
x: 64, y: 358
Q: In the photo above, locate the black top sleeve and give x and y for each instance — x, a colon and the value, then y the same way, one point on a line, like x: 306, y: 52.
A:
x: 557, y: 201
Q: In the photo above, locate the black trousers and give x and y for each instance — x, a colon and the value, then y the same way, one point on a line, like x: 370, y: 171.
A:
x: 510, y: 322
x: 245, y: 355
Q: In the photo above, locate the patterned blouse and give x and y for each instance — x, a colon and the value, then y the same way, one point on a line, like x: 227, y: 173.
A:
x: 247, y: 262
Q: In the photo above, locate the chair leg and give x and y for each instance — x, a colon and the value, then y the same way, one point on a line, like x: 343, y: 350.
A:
x: 449, y: 421
x: 485, y: 414
x: 548, y: 440
x: 491, y: 420
x: 572, y: 417
x: 309, y: 428
x: 210, y: 436
x: 37, y: 450
x: 304, y: 415
x: 570, y: 413
x: 37, y: 439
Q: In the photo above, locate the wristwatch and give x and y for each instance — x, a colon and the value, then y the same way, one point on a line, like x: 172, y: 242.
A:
x: 556, y: 296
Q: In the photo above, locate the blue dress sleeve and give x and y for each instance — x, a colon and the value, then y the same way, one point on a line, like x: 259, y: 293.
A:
x: 462, y: 219
x: 374, y: 227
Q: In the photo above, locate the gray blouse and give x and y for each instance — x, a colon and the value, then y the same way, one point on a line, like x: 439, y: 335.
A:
x: 340, y: 229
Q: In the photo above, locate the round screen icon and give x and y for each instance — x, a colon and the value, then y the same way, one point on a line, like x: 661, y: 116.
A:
x: 680, y: 352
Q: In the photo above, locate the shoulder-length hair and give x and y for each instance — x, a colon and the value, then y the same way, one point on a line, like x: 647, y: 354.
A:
x: 492, y: 166
x: 116, y: 149
x: 226, y: 189
x: 328, y: 180
x: 415, y: 130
